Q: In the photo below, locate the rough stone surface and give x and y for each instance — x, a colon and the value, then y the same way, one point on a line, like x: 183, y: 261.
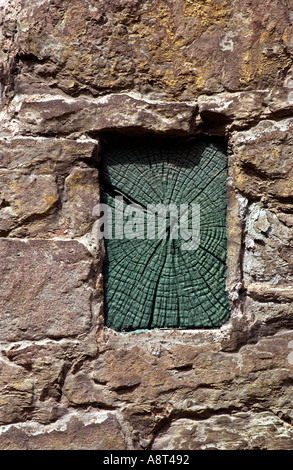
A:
x: 263, y: 161
x: 52, y: 155
x: 73, y: 75
x: 268, y: 255
x: 240, y: 431
x: 44, y: 293
x: 180, y: 48
x: 25, y: 196
x: 81, y: 196
x: 75, y: 431
x: 115, y: 112
x: 44, y: 188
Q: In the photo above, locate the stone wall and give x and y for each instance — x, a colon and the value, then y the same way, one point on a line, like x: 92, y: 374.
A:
x: 73, y: 72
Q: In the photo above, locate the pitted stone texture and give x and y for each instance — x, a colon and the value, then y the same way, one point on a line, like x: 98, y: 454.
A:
x: 179, y: 48
x: 44, y: 290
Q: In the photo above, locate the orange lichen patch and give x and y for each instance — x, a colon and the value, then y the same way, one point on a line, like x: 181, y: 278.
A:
x: 209, y: 12
x: 163, y: 40
x: 164, y: 17
x: 169, y: 78
x: 157, y: 31
x: 33, y: 196
x: 82, y: 179
x: 240, y: 179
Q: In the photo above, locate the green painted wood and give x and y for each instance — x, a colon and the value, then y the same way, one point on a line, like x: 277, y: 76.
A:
x: 155, y: 283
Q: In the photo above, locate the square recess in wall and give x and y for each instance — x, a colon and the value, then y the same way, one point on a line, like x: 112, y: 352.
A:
x: 163, y: 218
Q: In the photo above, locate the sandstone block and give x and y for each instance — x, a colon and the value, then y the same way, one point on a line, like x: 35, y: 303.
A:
x: 16, y: 393
x: 262, y: 160
x: 44, y: 155
x: 23, y: 196
x: 75, y: 431
x: 117, y: 111
x: 43, y: 291
x: 81, y: 196
x: 176, y: 49
x: 238, y: 432
x: 267, y: 257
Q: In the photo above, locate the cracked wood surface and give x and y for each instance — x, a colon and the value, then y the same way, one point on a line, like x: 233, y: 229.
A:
x: 176, y: 280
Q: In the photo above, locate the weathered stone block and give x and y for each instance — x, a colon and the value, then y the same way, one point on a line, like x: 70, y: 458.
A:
x: 239, y: 431
x: 75, y: 431
x: 178, y: 49
x: 23, y: 196
x: 81, y: 389
x: 16, y: 393
x: 116, y: 111
x: 268, y: 254
x: 226, y: 107
x: 262, y: 160
x: 43, y: 290
x: 32, y: 173
x: 81, y: 196
x: 44, y: 155
x: 270, y: 308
